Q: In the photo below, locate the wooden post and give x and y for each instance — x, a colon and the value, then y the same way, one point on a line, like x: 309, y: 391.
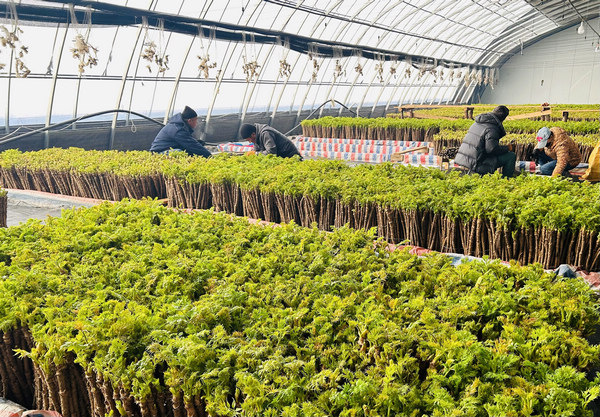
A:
x: 402, y: 112
x: 547, y: 117
x: 565, y: 116
x: 469, y: 113
x: 411, y: 113
x: 466, y: 113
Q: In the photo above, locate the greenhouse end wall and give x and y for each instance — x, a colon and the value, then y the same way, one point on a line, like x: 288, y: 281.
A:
x: 563, y: 68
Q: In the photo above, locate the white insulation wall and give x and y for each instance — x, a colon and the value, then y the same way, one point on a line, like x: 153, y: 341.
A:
x: 560, y: 69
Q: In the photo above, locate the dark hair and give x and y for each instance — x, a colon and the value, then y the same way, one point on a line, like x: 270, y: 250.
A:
x: 501, y: 112
x: 246, y: 130
x: 188, y: 113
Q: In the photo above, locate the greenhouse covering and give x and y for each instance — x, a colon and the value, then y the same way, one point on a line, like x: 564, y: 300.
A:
x: 64, y: 59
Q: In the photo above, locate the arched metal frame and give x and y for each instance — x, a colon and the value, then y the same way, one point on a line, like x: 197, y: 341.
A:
x: 429, y: 35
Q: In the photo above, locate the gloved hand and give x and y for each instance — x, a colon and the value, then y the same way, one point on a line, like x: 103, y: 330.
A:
x: 510, y: 147
x: 250, y: 153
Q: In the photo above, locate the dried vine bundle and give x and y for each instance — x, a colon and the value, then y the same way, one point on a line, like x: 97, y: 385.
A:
x: 84, y: 52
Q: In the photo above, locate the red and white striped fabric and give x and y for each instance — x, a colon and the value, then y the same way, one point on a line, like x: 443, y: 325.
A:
x: 527, y: 166
x: 368, y: 142
x: 420, y: 159
x: 362, y: 150
x: 353, y: 148
x: 347, y: 156
x: 236, y: 147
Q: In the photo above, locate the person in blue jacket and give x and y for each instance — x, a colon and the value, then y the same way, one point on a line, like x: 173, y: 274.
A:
x: 177, y: 135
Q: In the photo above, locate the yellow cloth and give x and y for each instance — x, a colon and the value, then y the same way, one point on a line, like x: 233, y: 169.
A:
x: 593, y: 171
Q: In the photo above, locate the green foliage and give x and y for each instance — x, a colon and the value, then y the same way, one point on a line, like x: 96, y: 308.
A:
x: 577, y: 111
x: 290, y: 321
x: 81, y: 161
x: 526, y: 201
x: 511, y: 126
x: 387, y: 123
x: 523, y: 138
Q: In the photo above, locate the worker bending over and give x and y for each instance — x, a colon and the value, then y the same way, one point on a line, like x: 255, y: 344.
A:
x: 481, y: 152
x: 556, y: 153
x: 177, y: 135
x: 267, y: 140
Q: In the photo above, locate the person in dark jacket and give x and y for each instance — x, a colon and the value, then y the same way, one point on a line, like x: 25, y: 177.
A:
x: 267, y: 140
x: 481, y: 152
x: 177, y: 135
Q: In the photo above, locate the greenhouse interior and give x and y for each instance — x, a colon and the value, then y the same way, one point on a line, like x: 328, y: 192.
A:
x: 293, y: 208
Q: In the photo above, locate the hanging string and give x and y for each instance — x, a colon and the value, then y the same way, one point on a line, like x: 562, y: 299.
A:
x: 83, y: 51
x: 338, y: 70
x: 213, y: 41
x: 204, y: 57
x: 285, y: 69
x: 251, y: 67
x: 313, y: 52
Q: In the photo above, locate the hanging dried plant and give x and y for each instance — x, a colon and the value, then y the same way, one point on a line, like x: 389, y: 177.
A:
x: 379, y: 71
x: 10, y: 39
x: 338, y: 71
x: 85, y: 53
x: 285, y: 69
x: 486, y: 78
x: 251, y: 69
x: 434, y: 74
x: 316, y: 68
x: 359, y: 69
x: 20, y: 68
x: 153, y: 56
x: 467, y: 77
x: 393, y: 70
x: 205, y: 65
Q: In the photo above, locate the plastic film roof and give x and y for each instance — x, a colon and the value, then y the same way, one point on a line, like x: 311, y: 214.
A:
x: 240, y: 56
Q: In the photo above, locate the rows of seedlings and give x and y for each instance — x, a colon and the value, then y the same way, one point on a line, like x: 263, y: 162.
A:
x: 105, y: 175
x: 478, y: 236
x: 102, y: 186
x: 524, y: 144
x: 528, y: 218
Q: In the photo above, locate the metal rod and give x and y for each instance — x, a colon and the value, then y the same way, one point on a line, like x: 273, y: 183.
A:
x: 66, y: 122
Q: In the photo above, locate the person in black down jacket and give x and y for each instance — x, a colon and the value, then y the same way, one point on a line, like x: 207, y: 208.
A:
x: 177, y: 135
x: 268, y: 140
x: 481, y: 152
